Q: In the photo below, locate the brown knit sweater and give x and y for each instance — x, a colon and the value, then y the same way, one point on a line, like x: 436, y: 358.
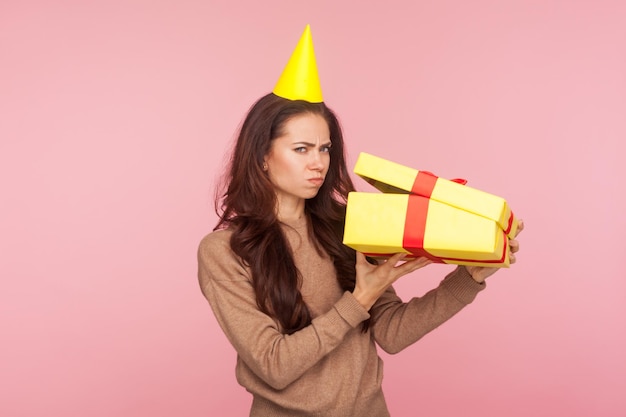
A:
x: 330, y: 368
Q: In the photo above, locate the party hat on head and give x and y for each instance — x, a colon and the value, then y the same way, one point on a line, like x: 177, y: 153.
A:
x: 299, y: 80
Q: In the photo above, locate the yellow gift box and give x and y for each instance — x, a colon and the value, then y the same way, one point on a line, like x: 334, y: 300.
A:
x: 390, y: 177
x: 383, y: 224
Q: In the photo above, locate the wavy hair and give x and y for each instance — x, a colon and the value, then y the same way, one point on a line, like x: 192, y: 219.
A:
x: 246, y: 204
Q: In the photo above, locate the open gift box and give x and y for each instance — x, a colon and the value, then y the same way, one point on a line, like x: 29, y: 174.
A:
x: 383, y: 224
x: 390, y: 177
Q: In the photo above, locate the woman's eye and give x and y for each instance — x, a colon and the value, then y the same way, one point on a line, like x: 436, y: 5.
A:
x: 300, y: 149
x: 325, y: 149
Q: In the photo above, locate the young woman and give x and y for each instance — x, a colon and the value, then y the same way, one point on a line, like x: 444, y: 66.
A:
x: 304, y: 312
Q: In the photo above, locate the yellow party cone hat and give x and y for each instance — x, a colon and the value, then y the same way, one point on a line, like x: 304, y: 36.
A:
x: 299, y: 80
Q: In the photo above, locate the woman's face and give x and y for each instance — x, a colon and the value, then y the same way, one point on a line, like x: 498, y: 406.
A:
x: 298, y: 160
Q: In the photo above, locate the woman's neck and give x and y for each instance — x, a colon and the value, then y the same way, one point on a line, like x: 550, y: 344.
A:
x: 290, y: 211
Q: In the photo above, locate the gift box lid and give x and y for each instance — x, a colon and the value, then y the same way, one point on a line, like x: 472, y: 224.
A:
x: 391, y: 177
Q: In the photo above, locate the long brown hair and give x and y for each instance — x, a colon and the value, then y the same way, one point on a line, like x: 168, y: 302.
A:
x: 247, y: 206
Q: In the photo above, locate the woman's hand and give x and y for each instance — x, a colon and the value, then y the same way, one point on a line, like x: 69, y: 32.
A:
x: 373, y: 280
x: 481, y: 273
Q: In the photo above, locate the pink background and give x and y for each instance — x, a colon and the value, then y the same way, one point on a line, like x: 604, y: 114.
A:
x: 114, y: 119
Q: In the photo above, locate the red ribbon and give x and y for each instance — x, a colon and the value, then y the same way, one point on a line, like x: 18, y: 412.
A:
x: 415, y: 227
x: 425, y: 183
x: 510, y: 225
x: 416, y: 214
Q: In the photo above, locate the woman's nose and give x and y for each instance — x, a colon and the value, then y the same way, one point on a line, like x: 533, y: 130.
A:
x: 316, y: 162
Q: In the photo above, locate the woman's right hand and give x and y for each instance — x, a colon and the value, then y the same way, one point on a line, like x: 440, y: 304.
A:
x: 373, y: 280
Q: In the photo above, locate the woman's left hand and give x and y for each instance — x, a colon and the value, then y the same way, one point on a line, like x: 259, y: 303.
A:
x: 481, y: 273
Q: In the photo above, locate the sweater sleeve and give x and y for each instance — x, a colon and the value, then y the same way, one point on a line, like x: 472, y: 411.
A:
x: 276, y: 358
x: 398, y: 325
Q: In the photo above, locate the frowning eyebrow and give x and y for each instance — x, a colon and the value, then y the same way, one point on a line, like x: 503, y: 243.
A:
x: 311, y: 145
